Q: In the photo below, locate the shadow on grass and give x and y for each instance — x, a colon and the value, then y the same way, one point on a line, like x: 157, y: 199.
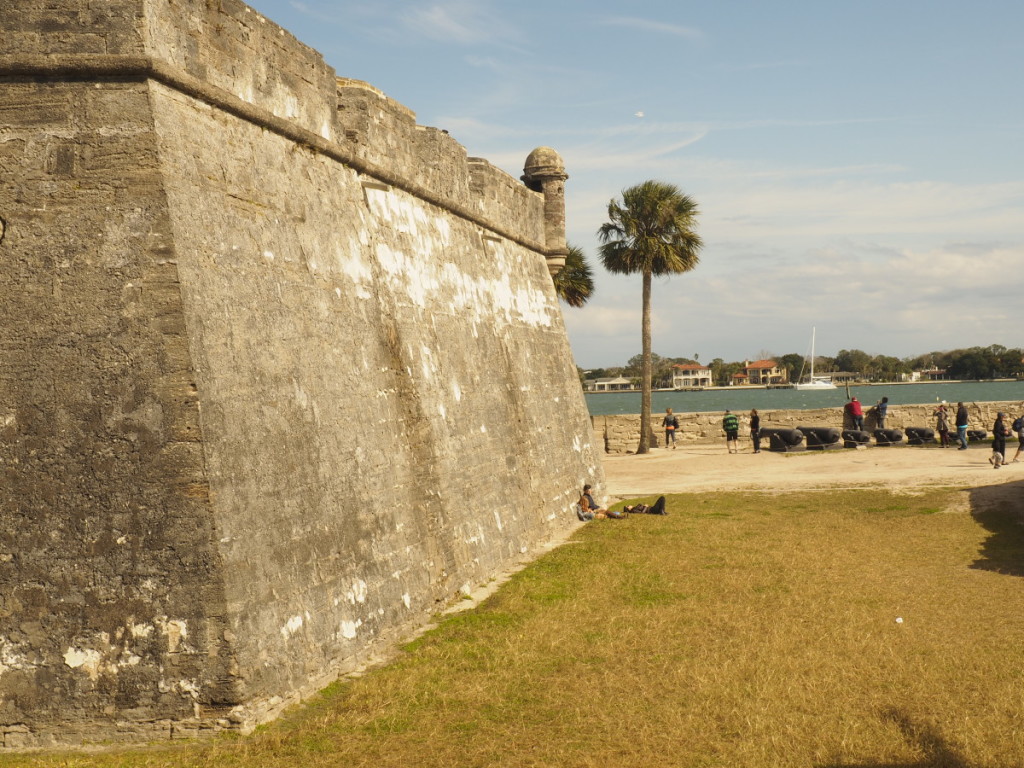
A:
x: 1000, y: 510
x: 937, y: 753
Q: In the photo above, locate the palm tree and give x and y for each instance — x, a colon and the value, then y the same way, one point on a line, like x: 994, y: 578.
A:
x: 574, y: 284
x: 651, y: 232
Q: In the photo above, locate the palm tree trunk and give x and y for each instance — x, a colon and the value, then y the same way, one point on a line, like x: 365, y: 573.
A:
x: 645, y: 367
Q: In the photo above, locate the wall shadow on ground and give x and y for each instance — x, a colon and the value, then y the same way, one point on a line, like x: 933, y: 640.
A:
x: 1000, y: 510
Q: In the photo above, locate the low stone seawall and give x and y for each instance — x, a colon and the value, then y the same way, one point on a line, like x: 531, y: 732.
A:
x: 621, y: 433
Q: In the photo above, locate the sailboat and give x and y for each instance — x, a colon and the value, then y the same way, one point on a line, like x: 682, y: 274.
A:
x: 814, y: 382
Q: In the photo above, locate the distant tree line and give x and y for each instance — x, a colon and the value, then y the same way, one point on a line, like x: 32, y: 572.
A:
x: 974, y: 363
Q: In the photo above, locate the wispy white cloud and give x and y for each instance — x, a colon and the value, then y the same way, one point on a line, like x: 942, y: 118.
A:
x: 754, y: 66
x: 487, y: 62
x: 650, y: 25
x: 838, y: 206
x: 646, y: 156
x: 462, y: 22
x: 628, y: 143
x: 331, y: 14
x: 874, y: 261
x: 898, y: 302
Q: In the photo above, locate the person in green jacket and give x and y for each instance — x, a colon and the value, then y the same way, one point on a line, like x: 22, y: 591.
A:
x: 731, y: 427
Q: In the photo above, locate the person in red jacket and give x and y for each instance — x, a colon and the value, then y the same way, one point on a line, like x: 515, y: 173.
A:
x: 856, y: 413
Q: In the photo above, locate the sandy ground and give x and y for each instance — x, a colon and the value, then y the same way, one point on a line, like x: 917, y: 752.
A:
x: 708, y: 467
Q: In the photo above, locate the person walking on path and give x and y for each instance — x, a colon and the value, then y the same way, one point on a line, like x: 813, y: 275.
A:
x: 755, y: 430
x: 731, y: 427
x: 671, y: 424
x: 942, y: 424
x: 1018, y: 426
x: 961, y: 426
x: 999, y: 434
x: 853, y: 408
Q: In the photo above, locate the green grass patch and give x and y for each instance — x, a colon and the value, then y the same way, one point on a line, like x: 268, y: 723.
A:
x: 746, y: 629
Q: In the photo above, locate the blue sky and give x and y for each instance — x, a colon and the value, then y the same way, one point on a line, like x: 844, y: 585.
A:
x: 858, y: 165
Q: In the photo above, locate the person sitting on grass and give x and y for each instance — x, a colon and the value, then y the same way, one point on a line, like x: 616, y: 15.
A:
x: 589, y: 506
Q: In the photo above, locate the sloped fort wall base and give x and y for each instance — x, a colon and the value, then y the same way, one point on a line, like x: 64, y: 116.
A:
x: 281, y: 373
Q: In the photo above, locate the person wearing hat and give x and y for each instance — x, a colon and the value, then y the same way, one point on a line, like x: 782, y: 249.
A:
x: 999, y: 434
x: 853, y: 408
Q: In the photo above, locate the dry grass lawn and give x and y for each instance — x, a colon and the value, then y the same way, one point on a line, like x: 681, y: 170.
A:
x: 743, y: 630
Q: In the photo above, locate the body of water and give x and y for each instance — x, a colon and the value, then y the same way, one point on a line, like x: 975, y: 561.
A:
x: 743, y: 399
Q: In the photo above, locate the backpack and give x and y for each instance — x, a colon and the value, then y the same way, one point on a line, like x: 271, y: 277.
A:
x: 1018, y: 424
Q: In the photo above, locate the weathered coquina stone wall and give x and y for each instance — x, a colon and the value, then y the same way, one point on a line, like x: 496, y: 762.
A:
x: 280, y: 370
x: 621, y: 433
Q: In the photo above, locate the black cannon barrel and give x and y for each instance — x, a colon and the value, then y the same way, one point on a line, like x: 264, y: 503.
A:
x: 853, y: 438
x: 784, y: 440
x: 820, y: 438
x: 920, y: 435
x: 888, y: 437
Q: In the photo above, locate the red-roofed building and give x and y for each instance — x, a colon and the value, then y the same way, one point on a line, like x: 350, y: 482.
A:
x: 761, y: 373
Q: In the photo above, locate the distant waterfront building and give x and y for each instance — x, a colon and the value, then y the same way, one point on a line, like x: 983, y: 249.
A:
x: 845, y: 377
x: 617, y: 384
x: 690, y: 376
x: 761, y: 373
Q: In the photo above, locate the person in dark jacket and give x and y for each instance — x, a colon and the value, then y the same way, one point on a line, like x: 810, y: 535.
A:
x: 1000, y: 431
x: 881, y: 411
x: 755, y: 430
x: 961, y: 426
x: 671, y: 424
x: 590, y: 508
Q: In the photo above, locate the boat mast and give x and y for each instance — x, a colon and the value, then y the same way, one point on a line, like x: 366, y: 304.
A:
x: 812, y: 354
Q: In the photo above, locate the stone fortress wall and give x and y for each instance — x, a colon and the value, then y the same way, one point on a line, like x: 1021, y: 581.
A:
x: 281, y: 371
x: 621, y: 433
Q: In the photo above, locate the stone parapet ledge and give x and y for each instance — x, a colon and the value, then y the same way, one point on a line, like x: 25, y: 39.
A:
x: 231, y: 57
x: 621, y: 433
x: 145, y: 67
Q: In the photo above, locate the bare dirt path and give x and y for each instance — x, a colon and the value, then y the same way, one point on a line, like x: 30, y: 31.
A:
x: 708, y: 467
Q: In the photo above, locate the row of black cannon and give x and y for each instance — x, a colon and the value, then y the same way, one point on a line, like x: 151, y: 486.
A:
x: 786, y: 440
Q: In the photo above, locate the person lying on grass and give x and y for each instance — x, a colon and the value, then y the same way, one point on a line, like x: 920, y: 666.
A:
x: 658, y: 508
